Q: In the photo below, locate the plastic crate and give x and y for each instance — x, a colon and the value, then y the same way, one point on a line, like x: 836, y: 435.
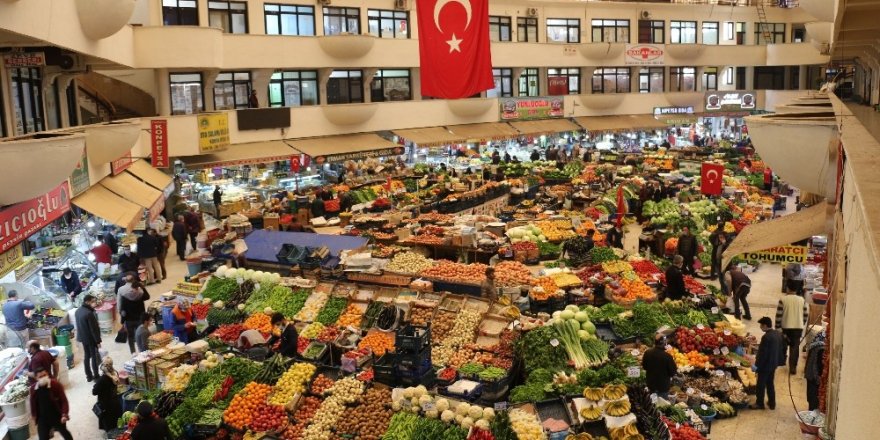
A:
x: 412, y: 339
x: 414, y: 370
x: 413, y: 359
x: 383, y: 370
x: 427, y: 379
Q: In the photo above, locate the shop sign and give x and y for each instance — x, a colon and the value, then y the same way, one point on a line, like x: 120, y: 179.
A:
x: 779, y: 254
x: 734, y: 101
x: 213, y: 132
x: 532, y: 108
x: 20, y: 221
x: 79, y: 178
x: 342, y: 157
x: 663, y: 111
x: 159, y: 143
x: 643, y: 55
x: 121, y: 164
x: 10, y: 260
x: 558, y: 85
x: 24, y: 59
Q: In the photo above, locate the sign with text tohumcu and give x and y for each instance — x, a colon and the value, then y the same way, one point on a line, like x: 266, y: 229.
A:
x: 20, y: 221
x: 513, y: 109
x: 779, y: 254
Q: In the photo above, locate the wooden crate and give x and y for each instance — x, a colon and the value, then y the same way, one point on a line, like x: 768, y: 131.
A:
x: 384, y: 279
x: 452, y: 303
x: 493, y: 325
x: 479, y: 305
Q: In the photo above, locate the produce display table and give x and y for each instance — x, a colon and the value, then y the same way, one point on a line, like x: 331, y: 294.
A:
x: 263, y: 245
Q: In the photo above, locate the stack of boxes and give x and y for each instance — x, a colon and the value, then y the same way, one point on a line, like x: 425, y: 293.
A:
x: 412, y: 346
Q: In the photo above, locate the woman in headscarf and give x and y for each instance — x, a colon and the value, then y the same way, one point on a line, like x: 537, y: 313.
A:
x: 106, y: 388
x: 184, y: 322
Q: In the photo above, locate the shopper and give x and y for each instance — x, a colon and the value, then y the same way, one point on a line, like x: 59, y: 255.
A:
x: 184, y: 322
x: 131, y: 301
x: 253, y: 101
x: 766, y: 362
x: 506, y: 157
x: 218, y: 200
x: 106, y: 388
x: 102, y: 252
x: 740, y: 286
x: 193, y: 225
x: 148, y: 249
x: 16, y: 320
x: 143, y: 333
x: 791, y: 317
x: 40, y: 360
x: 487, y: 288
x: 675, y: 288
x: 288, y: 336
x: 70, y: 283
x: 160, y: 225
x: 496, y: 157
x: 813, y: 369
x: 129, y: 261
x: 178, y: 233
x: 110, y: 238
x: 150, y: 426
x: 717, y: 256
x: 768, y: 179
x: 794, y: 278
x: 687, y: 248
x: 49, y: 407
x: 614, y: 237
x: 535, y: 156
x: 659, y: 368
x: 88, y: 333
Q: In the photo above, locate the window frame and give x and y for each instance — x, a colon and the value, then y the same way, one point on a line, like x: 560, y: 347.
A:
x: 526, y: 26
x: 299, y: 78
x: 229, y: 14
x: 178, y: 9
x: 22, y: 88
x: 574, y: 86
x: 499, y: 74
x: 603, y: 24
x: 497, y: 24
x: 717, y: 32
x: 347, y: 16
x: 378, y: 19
x: 677, y: 75
x: 295, y: 11
x: 709, y: 72
x: 569, y: 25
x: 775, y: 32
x: 350, y: 80
x: 729, y: 77
x: 614, y: 72
x: 676, y: 28
x: 652, y: 27
x: 232, y: 81
x: 729, y: 33
x: 527, y: 74
x: 201, y: 83
x: 380, y: 77
x: 648, y: 72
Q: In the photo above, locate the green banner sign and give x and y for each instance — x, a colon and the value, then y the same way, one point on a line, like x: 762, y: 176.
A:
x: 513, y: 109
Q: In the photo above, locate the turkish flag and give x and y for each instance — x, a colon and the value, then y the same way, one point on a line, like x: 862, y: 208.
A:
x: 454, y: 49
x: 711, y: 179
x: 621, y: 206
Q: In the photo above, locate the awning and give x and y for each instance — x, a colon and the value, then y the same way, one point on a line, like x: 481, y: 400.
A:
x: 647, y: 122
x: 104, y: 203
x: 544, y: 126
x: 778, y: 232
x: 153, y: 177
x: 130, y: 188
x: 242, y: 154
x: 430, y: 136
x: 486, y: 131
x: 334, y: 145
x: 599, y: 124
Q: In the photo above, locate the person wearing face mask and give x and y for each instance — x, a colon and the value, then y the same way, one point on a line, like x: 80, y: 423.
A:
x: 49, y: 407
x: 40, y: 360
x: 88, y: 333
x: 106, y: 388
x: 131, y: 299
x: 128, y: 261
x: 70, y: 283
x: 143, y: 332
x: 184, y: 322
x: 289, y: 337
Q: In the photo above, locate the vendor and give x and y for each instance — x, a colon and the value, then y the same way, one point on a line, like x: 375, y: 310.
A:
x: 488, y: 289
x: 675, y: 289
x: 253, y: 344
x: 184, y: 322
x: 16, y: 321
x: 288, y: 336
x: 614, y: 237
x: 70, y: 283
x: 536, y: 156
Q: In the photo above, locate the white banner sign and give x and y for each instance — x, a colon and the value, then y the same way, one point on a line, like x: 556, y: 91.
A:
x: 643, y: 55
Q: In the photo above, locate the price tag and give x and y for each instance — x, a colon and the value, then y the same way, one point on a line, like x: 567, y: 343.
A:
x: 726, y: 332
x: 678, y: 426
x: 704, y: 407
x: 724, y: 351
x: 554, y: 342
x: 636, y: 352
x: 700, y: 326
x: 428, y: 406
x: 715, y: 310
x: 633, y: 372
x: 689, y: 391
x: 500, y: 406
x: 716, y: 352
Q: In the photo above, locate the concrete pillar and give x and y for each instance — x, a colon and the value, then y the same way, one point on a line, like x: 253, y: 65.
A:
x: 802, y: 78
x: 634, y: 79
x: 323, y: 78
x: 517, y: 73
x: 750, y: 77
x: 543, y: 84
x: 260, y: 83
x: 203, y: 15
x: 415, y: 83
x: 786, y: 78
x: 163, y: 87
x: 368, y: 75
x: 209, y: 78
x: 698, y: 79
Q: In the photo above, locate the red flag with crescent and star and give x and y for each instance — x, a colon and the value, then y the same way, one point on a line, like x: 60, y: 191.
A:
x: 711, y: 178
x: 454, y: 50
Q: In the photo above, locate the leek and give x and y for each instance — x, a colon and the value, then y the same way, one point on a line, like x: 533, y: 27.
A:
x: 567, y: 333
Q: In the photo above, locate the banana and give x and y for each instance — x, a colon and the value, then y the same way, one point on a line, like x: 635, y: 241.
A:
x: 591, y: 413
x: 614, y: 392
x: 631, y: 429
x: 594, y: 394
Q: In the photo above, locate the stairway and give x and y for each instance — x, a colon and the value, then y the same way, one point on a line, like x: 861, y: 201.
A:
x: 762, y: 22
x: 120, y: 99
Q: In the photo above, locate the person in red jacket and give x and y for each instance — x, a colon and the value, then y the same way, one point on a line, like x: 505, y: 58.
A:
x: 102, y: 252
x: 49, y: 406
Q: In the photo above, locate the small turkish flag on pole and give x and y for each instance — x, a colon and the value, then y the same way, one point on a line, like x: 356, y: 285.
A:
x: 711, y: 178
x: 454, y: 50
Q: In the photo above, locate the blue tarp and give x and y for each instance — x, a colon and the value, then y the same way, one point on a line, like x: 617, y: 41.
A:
x: 264, y: 245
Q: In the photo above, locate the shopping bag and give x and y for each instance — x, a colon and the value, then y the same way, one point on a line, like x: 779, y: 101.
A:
x: 121, y: 336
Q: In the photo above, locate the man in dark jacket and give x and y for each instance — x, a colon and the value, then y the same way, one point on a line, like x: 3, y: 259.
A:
x: 131, y: 299
x: 89, y: 335
x: 150, y: 426
x: 193, y: 225
x: 740, y: 286
x: 659, y: 368
x: 128, y: 261
x: 687, y: 248
x: 766, y: 362
x: 675, y: 279
x: 49, y: 407
x: 535, y: 156
x: 110, y: 239
x: 289, y: 337
x: 218, y: 199
x: 178, y: 233
x: 40, y: 360
x: 614, y: 237
x: 148, y: 246
x: 70, y: 283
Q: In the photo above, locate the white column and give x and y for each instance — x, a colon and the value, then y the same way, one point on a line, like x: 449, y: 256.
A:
x: 415, y: 84
x: 750, y: 77
x: 164, y: 92
x: 517, y: 73
x: 260, y: 83
x: 323, y: 78
x: 209, y: 78
x: 368, y: 75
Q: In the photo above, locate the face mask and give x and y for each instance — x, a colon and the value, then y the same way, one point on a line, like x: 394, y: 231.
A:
x: 43, y: 381
x: 127, y: 252
x: 67, y: 277
x: 152, y: 328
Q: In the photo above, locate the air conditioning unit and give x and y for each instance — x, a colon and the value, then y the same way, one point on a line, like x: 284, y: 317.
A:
x: 68, y: 62
x: 532, y: 12
x: 402, y: 5
x: 644, y: 15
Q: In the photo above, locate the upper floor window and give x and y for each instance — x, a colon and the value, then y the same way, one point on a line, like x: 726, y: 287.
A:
x: 232, y: 90
x: 293, y: 88
x: 26, y: 93
x: 564, y: 81
x: 610, y: 31
x: 385, y: 23
x: 229, y: 16
x: 564, y: 30
x: 682, y: 79
x: 345, y: 87
x: 611, y: 80
x: 503, y: 83
x: 710, y: 78
x: 528, y: 82
x: 652, y: 31
x: 499, y: 28
x: 651, y: 80
x: 526, y: 30
x: 773, y: 33
x: 342, y: 20
x: 289, y: 19
x: 187, y: 96
x: 391, y: 85
x: 180, y: 12
x: 683, y: 32
x: 710, y: 32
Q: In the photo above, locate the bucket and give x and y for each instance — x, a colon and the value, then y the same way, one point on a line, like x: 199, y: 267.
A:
x: 15, y: 409
x: 18, y: 421
x: 22, y: 433
x: 62, y: 338
x: 130, y: 400
x: 194, y: 267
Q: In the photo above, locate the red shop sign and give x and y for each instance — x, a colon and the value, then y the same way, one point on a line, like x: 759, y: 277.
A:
x: 159, y: 143
x: 20, y: 221
x: 121, y: 164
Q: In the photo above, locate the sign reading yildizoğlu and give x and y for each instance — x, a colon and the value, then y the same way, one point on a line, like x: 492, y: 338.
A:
x: 779, y: 254
x: 357, y: 155
x: 532, y: 108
